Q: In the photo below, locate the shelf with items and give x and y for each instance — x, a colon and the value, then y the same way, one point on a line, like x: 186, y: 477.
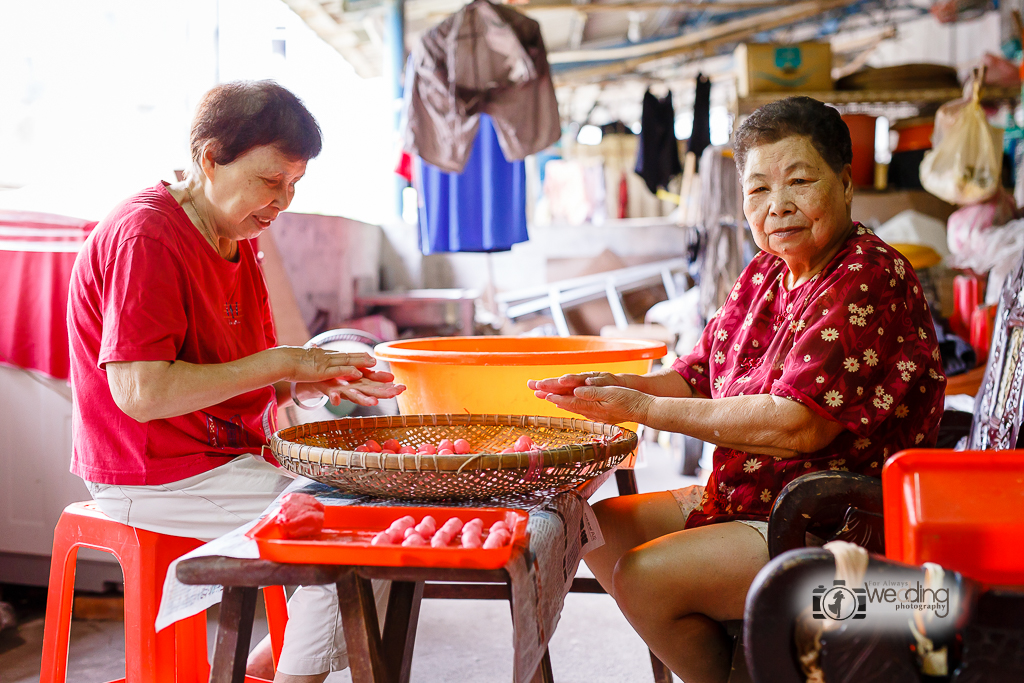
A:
x: 883, y: 98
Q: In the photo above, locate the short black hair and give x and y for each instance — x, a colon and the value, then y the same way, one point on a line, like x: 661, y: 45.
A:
x: 239, y: 116
x: 796, y: 116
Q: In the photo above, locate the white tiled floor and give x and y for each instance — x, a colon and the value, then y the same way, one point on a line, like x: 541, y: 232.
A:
x: 457, y: 640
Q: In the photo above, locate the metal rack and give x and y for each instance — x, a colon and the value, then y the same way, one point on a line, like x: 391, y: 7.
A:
x: 556, y: 296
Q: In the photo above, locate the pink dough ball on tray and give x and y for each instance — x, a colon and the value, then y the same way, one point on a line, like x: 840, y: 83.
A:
x: 497, y: 539
x: 452, y: 526
x: 414, y: 540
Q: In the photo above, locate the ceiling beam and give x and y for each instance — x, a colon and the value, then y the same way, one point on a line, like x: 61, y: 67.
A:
x: 627, y: 58
x: 339, y: 36
x: 762, y: 21
x: 680, y: 5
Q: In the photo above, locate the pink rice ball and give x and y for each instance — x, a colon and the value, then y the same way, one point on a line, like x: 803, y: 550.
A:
x: 523, y: 444
x: 452, y: 526
x: 414, y: 540
x: 497, y: 539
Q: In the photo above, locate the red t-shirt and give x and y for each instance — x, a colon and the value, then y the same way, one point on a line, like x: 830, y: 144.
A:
x: 147, y: 287
x: 855, y: 344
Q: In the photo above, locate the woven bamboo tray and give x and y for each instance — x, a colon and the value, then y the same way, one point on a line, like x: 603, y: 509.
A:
x: 572, y: 451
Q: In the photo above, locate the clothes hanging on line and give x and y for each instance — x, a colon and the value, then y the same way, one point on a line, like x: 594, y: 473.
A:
x: 723, y: 255
x: 485, y: 58
x: 657, y: 159
x: 481, y: 209
x: 700, y: 137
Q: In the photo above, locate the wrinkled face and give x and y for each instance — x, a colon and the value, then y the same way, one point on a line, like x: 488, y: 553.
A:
x: 797, y: 207
x: 247, y: 194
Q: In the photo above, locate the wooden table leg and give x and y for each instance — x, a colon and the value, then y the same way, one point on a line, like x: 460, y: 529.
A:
x: 234, y: 632
x: 400, y: 624
x: 661, y: 672
x: 543, y: 673
x: 362, y: 629
x: 625, y: 480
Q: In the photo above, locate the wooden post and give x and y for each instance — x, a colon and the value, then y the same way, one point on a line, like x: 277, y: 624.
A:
x: 234, y: 632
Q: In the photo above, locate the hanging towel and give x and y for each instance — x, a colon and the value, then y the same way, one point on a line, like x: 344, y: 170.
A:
x: 484, y: 58
x: 657, y: 159
x: 481, y: 209
x: 701, y: 135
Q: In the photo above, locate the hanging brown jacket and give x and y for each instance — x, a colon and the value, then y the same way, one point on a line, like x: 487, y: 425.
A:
x: 484, y: 58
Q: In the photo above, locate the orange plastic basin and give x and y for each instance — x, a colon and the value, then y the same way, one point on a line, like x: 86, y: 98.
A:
x: 489, y: 374
x: 963, y: 510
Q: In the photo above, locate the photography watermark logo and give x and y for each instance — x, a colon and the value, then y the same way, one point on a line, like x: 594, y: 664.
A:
x: 839, y: 603
x: 888, y: 599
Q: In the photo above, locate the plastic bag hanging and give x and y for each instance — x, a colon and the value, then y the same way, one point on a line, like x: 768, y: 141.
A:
x: 965, y: 165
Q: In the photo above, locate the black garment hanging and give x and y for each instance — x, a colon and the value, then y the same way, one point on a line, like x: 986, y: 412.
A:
x: 701, y: 135
x: 657, y: 158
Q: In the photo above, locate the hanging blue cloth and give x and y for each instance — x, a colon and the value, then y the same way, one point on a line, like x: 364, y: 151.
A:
x: 481, y: 209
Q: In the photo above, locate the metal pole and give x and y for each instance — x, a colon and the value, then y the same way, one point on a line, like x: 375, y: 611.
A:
x: 394, y: 68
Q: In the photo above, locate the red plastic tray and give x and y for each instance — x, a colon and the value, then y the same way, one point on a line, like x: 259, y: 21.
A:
x: 963, y: 510
x: 348, y: 530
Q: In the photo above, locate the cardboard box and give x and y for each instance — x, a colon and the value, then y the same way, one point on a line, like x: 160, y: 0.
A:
x: 773, y: 67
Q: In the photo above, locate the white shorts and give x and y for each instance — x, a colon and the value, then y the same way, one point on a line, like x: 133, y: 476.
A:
x: 213, y: 503
x: 689, y: 500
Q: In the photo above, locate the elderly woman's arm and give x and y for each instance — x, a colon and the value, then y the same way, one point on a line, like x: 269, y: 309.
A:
x: 760, y: 424
x: 152, y: 390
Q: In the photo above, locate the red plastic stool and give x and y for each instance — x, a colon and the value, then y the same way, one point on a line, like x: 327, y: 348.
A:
x: 174, y: 655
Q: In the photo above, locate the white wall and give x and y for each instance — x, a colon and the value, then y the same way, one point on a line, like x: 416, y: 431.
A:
x: 925, y: 40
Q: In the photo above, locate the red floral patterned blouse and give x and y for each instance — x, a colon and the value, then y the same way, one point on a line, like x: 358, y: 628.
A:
x: 855, y: 344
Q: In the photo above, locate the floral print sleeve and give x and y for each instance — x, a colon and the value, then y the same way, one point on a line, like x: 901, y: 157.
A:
x: 863, y: 349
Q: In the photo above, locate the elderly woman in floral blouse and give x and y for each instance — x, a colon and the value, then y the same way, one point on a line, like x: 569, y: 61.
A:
x: 823, y: 357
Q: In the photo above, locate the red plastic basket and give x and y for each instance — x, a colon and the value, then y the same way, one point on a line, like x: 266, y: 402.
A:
x: 349, y: 528
x: 963, y: 510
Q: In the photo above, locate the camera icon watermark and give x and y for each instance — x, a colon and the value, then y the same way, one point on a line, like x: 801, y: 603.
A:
x: 839, y: 603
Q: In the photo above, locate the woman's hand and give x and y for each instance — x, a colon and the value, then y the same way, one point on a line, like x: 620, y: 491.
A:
x: 366, y: 391
x: 566, y: 384
x: 316, y: 364
x: 608, y: 404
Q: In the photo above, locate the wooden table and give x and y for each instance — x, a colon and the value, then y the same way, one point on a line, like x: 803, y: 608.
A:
x: 373, y: 658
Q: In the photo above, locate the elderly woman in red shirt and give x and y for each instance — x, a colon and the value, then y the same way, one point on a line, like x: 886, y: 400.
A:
x: 823, y: 357
x: 175, y: 367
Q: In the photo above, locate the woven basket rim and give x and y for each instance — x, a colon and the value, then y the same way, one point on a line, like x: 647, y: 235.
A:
x: 623, y: 442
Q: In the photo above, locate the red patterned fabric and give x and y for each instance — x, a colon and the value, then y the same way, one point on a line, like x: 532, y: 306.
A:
x: 855, y: 344
x: 37, y: 252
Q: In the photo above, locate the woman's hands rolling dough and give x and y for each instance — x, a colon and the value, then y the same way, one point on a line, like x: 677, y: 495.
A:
x: 566, y: 384
x: 339, y: 376
x: 608, y: 404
